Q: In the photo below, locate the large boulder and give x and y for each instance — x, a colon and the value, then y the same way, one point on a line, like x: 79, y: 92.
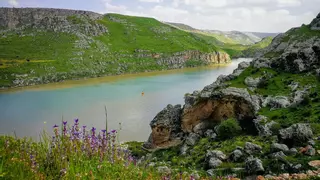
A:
x: 296, y: 134
x: 262, y: 126
x: 236, y: 156
x: 192, y: 139
x: 220, y: 105
x: 276, y: 147
x: 166, y: 128
x: 251, y: 148
x: 254, y: 166
x: 253, y: 82
x: 276, y: 102
x: 216, y: 154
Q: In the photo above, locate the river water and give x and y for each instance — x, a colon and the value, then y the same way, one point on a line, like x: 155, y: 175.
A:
x: 29, y: 111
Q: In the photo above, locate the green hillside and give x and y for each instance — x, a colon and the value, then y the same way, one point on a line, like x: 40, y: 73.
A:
x: 130, y: 44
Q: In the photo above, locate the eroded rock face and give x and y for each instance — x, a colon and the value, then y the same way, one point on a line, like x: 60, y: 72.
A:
x: 57, y: 20
x: 165, y: 128
x: 178, y: 60
x: 296, y: 134
x: 221, y: 105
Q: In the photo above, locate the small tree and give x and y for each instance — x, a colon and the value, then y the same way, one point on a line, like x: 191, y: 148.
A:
x: 229, y: 129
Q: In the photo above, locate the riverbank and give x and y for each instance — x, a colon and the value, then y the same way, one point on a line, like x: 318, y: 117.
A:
x: 105, y: 79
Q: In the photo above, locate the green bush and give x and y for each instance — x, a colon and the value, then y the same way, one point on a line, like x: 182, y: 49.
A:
x: 275, y: 128
x: 229, y: 129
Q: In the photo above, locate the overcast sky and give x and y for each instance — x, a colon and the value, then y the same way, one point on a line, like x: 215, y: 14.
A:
x: 242, y: 15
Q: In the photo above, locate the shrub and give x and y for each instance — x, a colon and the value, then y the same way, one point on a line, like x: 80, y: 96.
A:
x: 229, y: 129
x: 275, y: 128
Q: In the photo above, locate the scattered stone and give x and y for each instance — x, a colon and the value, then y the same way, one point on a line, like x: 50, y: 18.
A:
x: 253, y: 165
x: 296, y: 168
x: 216, y: 154
x: 210, y: 134
x: 164, y: 170
x: 236, y: 156
x: 210, y: 172
x: 214, y: 162
x: 195, y: 175
x: 192, y: 139
x: 253, y: 82
x: 251, y: 148
x: 276, y: 102
x: 296, y: 134
x: 278, y: 155
x: 276, y: 147
x: 292, y: 151
x: 183, y: 150
x: 310, y: 151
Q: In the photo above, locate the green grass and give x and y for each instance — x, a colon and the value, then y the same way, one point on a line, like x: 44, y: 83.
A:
x: 302, y: 33
x: 112, y: 53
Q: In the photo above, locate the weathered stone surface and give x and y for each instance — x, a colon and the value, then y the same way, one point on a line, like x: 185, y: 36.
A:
x: 253, y: 82
x: 315, y: 24
x: 164, y: 170
x: 56, y: 20
x: 276, y: 102
x: 251, y: 148
x: 165, y: 128
x: 222, y: 104
x: 277, y: 155
x: 296, y: 134
x: 263, y: 129
x: 276, y: 147
x: 192, y: 139
x: 210, y: 134
x: 254, y: 165
x: 214, y: 162
x: 236, y: 156
x: 178, y: 60
x: 184, y: 149
x: 216, y: 154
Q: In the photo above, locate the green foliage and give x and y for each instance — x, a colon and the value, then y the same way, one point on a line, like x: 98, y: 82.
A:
x: 229, y: 129
x: 275, y: 128
x: 194, y: 63
x: 257, y: 46
x: 136, y: 149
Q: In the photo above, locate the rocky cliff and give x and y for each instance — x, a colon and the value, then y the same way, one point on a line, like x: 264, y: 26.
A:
x: 57, y: 20
x: 274, y: 100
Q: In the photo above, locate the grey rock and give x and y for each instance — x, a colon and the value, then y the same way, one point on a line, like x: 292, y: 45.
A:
x: 168, y: 118
x: 299, y: 96
x: 261, y: 63
x: 211, y: 172
x: 294, y: 85
x: 192, y: 139
x: 210, y: 134
x: 202, y: 127
x: 296, y: 168
x: 253, y: 82
x: 243, y: 65
x: 276, y: 102
x: 164, y: 170
x: 236, y: 156
x: 214, y: 162
x: 299, y: 65
x: 251, y: 148
x: 263, y: 129
x: 253, y: 165
x: 152, y: 164
x: 184, y: 149
x: 276, y: 147
x: 215, y: 154
x: 297, y: 133
x: 292, y: 151
x: 277, y: 155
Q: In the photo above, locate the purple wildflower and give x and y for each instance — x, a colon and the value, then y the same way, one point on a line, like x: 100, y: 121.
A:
x: 64, y: 122
x: 114, y: 131
x: 76, y: 121
x: 55, y: 126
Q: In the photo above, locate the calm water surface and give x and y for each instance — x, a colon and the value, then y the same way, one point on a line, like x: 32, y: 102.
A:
x: 27, y: 110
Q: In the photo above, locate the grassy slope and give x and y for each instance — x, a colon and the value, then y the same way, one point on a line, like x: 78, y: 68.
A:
x: 108, y: 54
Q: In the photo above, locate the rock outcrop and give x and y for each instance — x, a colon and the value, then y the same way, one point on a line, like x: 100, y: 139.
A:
x: 57, y: 20
x: 178, y: 60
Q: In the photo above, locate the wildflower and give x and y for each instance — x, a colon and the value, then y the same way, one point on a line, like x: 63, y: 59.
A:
x: 76, y: 121
x: 55, y: 126
x: 64, y: 123
x: 114, y: 131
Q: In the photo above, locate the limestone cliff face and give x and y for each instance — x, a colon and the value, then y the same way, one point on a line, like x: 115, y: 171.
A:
x: 57, y: 20
x: 178, y: 60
